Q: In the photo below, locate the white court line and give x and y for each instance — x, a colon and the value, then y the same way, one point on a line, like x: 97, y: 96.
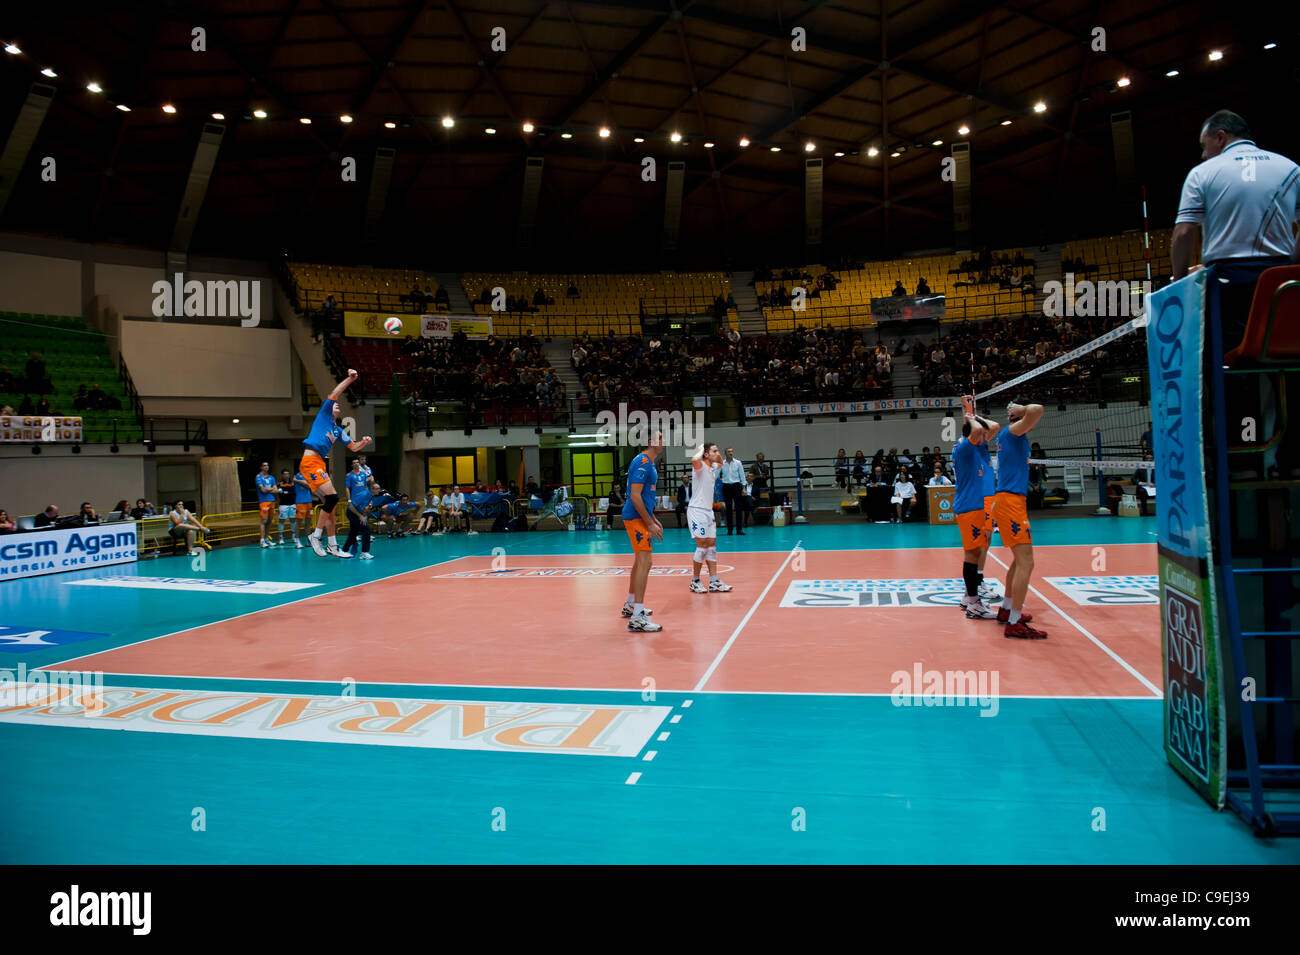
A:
x: 686, y: 704
x: 631, y: 780
x: 676, y: 719
x: 663, y: 736
x: 287, y: 603
x: 1109, y: 652
x: 650, y: 755
x: 744, y: 620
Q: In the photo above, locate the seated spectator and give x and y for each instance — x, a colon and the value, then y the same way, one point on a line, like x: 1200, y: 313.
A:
x: 87, y: 515
x: 36, y: 380
x: 48, y: 517
x: 7, y: 409
x: 7, y: 525
x: 899, y: 289
x: 922, y: 287
x: 842, y: 469
x: 25, y: 406
x: 859, y: 467
x: 185, y: 526
x: 539, y: 297
x: 120, y: 509
x: 81, y: 400
x: 440, y: 297
x: 454, y: 512
x: 142, y: 510
x: 43, y: 407
x: 7, y: 382
x: 431, y: 516
x: 904, y: 496
x: 98, y: 399
x: 573, y: 293
x: 938, y: 478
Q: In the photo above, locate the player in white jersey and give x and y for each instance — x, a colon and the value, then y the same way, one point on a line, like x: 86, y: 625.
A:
x: 706, y: 463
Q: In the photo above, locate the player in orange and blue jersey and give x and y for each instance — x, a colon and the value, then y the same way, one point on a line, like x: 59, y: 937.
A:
x: 642, y: 529
x: 1013, y: 516
x: 325, y: 430
x: 267, y: 492
x: 970, y: 464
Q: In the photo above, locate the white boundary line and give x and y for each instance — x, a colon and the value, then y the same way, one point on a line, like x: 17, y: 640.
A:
x: 744, y: 620
x: 1108, y: 651
x: 287, y: 603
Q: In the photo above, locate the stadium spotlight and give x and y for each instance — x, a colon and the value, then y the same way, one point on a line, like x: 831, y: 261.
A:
x: 218, y: 115
x: 168, y: 108
x: 51, y: 74
x: 12, y: 48
x: 123, y: 107
x: 676, y: 136
x: 1172, y: 73
x: 528, y: 127
x: 1267, y: 46
x: 604, y: 132
x: 873, y: 152
x: 809, y: 146
x: 895, y: 154
x: 305, y: 120
x: 259, y: 113
x: 1006, y: 122
x: 775, y: 149
x: 566, y: 135
x: 390, y: 125
x: 36, y: 449
x: 638, y: 139
x: 963, y: 130
x: 839, y: 153
x: 345, y: 118
x: 1123, y: 81
x: 708, y: 145
x: 1216, y: 55
x: 76, y: 449
x: 744, y: 142
x: 448, y: 122
x: 937, y: 142
x: 491, y: 131
x: 1040, y: 107
x: 94, y: 87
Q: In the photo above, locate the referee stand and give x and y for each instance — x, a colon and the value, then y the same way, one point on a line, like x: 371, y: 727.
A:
x: 1254, y: 543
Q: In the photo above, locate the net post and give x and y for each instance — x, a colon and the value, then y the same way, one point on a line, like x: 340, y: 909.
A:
x: 1101, y: 476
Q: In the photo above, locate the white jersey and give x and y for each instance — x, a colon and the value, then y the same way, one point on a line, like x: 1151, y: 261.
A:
x: 702, y: 482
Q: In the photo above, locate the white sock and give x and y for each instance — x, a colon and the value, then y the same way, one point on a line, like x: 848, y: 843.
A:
x: 1006, y: 601
x: 316, y: 534
x: 638, y: 609
x: 714, y: 578
x: 334, y: 541
x: 969, y: 601
x: 1015, y: 616
x: 631, y: 598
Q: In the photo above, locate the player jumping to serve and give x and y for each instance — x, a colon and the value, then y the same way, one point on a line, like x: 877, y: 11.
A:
x: 974, y: 520
x: 706, y: 463
x: 642, y: 529
x: 325, y: 430
x: 1013, y: 516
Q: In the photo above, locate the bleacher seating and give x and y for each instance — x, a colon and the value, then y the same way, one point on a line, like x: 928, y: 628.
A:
x: 73, y: 356
x: 1112, y: 258
x: 361, y: 287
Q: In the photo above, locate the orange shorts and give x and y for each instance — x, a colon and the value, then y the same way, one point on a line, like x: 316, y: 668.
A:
x: 265, y: 507
x: 976, y: 529
x: 637, y: 533
x: 314, y: 471
x: 988, y: 506
x: 304, y: 509
x: 1013, y: 519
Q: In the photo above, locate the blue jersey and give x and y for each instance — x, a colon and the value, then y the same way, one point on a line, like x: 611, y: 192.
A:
x: 359, y: 498
x: 325, y: 431
x: 397, y: 508
x: 968, y: 464
x: 301, y: 490
x: 355, y: 484
x: 267, y: 487
x: 990, y: 475
x: 643, y: 472
x: 1013, y: 462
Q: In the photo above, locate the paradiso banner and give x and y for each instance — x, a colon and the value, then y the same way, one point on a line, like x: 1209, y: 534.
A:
x: 907, y: 308
x: 444, y: 326
x: 371, y: 325
x: 1195, y: 720
x: 852, y: 407
x: 37, y: 428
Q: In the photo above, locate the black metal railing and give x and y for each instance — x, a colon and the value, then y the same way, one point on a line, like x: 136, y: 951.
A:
x: 128, y: 385
x: 183, y: 431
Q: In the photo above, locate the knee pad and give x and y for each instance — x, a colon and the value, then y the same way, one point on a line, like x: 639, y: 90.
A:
x: 711, y: 554
x: 699, y: 555
x: 328, y: 502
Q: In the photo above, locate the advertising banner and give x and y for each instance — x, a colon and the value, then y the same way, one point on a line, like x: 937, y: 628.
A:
x: 444, y: 326
x: 32, y: 553
x: 851, y: 407
x: 36, y: 428
x: 908, y: 308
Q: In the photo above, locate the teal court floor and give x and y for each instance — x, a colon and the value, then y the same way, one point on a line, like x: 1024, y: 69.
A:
x: 479, y: 699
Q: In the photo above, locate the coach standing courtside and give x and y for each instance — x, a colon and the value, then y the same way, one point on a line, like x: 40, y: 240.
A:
x: 732, y: 477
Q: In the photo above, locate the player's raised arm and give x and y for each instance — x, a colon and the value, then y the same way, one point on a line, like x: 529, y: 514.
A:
x: 991, y: 428
x: 343, y: 385
x: 1024, y: 417
x: 360, y: 444
x: 697, y: 459
x: 977, y: 435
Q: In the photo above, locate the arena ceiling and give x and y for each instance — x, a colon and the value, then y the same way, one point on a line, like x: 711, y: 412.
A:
x: 894, y: 76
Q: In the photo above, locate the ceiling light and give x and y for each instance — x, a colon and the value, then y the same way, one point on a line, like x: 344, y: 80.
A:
x: 566, y: 135
x: 937, y: 142
x: 1216, y: 54
x: 776, y: 149
x: 168, y: 108
x: 12, y: 48
x: 448, y: 122
x: 260, y: 113
x: 744, y: 143
x: 1123, y: 81
x: 708, y: 145
x: 123, y: 107
x: 809, y: 146
x: 94, y: 87
x: 51, y: 74
x: 305, y: 120
x: 345, y: 118
x: 1040, y: 107
x: 638, y: 139
x: 1172, y: 73
x: 234, y: 421
x: 839, y: 153
x: 676, y: 136
x: 491, y: 131
x: 873, y: 151
x: 390, y: 125
x: 1267, y: 46
x: 604, y: 132
x: 218, y: 115
x: 1006, y: 122
x: 894, y: 155
x: 528, y: 127
x: 963, y: 130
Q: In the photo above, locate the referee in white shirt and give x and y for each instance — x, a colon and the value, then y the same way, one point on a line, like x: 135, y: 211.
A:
x: 732, y: 477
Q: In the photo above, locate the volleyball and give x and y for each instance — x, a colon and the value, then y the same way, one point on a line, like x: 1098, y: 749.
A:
x: 393, y: 326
